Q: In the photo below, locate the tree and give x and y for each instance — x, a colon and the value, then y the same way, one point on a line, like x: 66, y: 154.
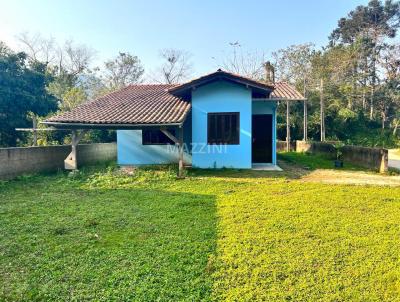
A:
x: 293, y: 64
x: 123, y: 70
x: 22, y: 91
x: 371, y: 25
x: 246, y: 63
x: 67, y: 63
x: 175, y: 66
x: 72, y: 98
x: 390, y: 61
x: 68, y: 58
x: 37, y: 47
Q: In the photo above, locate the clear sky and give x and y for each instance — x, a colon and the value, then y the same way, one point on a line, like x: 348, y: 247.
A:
x: 204, y: 28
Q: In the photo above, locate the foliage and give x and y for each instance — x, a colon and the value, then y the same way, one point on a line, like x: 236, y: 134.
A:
x: 360, y: 72
x: 123, y: 70
x: 67, y: 81
x: 22, y: 90
x: 338, y: 149
x: 72, y: 98
x: 222, y: 235
x: 293, y: 64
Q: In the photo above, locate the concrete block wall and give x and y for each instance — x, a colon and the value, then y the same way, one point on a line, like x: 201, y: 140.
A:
x: 326, y: 148
x: 281, y: 146
x: 93, y: 153
x: 371, y: 158
x: 25, y: 160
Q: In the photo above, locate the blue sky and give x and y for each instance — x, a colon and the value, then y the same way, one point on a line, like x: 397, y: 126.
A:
x: 204, y: 28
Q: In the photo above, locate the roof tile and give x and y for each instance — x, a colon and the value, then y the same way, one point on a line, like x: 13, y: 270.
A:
x: 135, y: 104
x: 283, y: 90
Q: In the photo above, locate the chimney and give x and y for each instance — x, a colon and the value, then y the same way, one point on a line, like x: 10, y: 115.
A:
x: 269, y: 73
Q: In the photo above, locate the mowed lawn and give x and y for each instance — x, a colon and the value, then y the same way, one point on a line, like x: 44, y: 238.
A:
x: 216, y: 235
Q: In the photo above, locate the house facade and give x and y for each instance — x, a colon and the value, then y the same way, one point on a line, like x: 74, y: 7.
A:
x: 220, y: 120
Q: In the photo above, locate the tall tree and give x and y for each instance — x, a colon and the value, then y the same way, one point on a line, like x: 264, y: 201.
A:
x: 22, y: 92
x: 293, y: 64
x: 372, y: 25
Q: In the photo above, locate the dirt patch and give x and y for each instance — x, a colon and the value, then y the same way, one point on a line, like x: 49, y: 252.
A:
x: 350, y: 177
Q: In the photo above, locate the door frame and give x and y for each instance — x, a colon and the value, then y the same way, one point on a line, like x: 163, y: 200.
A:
x: 273, y: 138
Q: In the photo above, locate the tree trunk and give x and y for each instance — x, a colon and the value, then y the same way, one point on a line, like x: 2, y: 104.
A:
x: 396, y: 125
x: 373, y: 80
x: 352, y: 99
x: 371, y: 104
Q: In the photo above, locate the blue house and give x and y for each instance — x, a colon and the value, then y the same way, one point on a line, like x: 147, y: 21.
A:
x: 215, y: 121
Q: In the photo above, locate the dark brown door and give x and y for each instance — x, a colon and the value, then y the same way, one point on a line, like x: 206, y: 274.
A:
x: 262, y: 138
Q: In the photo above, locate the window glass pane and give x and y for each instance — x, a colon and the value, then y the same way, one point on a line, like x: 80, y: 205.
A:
x: 223, y: 128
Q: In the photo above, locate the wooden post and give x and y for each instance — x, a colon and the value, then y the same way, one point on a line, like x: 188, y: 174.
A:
x: 322, y: 113
x: 179, y: 142
x: 180, y: 146
x: 287, y: 126
x: 71, y: 162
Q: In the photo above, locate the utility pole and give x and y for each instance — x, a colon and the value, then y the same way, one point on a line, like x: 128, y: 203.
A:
x: 322, y: 114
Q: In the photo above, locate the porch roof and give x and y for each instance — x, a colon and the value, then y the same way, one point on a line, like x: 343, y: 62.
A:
x: 285, y: 91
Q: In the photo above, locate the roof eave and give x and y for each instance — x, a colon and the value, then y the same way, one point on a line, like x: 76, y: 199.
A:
x: 288, y: 99
x: 111, y: 126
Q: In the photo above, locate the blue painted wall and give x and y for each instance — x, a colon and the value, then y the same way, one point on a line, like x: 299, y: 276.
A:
x: 268, y: 107
x: 221, y: 97
x: 130, y: 150
x: 215, y: 97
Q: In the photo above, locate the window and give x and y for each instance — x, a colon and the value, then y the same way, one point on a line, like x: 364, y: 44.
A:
x: 223, y: 128
x: 156, y: 137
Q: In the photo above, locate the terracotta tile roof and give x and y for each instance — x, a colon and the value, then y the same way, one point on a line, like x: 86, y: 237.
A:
x: 135, y: 104
x: 155, y: 103
x: 284, y: 90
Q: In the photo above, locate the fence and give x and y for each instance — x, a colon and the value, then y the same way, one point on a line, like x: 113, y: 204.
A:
x: 18, y: 161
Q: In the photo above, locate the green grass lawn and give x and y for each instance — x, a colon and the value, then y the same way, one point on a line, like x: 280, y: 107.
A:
x: 216, y: 235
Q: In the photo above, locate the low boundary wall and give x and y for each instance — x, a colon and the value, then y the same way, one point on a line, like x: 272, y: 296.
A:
x: 22, y: 160
x: 371, y: 158
x: 281, y: 146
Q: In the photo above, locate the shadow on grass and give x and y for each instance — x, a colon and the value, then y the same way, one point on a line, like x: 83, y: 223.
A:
x: 62, y: 242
